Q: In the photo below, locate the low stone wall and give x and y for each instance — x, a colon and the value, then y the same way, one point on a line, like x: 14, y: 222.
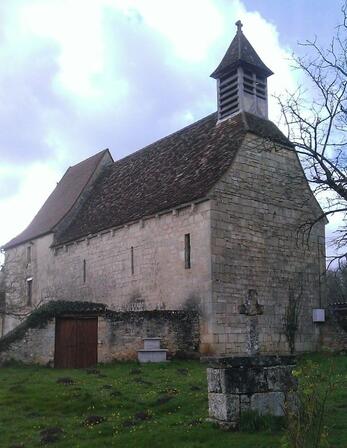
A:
x: 240, y: 384
x: 32, y: 341
x: 35, y: 347
x: 121, y: 333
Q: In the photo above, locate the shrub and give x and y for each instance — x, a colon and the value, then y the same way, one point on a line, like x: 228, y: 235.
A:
x: 306, y: 411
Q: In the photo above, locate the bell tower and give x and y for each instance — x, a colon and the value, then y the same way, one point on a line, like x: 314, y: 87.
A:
x: 241, y: 80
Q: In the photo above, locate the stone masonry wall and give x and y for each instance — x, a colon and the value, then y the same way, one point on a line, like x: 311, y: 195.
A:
x: 259, y: 384
x: 18, y: 269
x: 158, y: 280
x: 36, y: 347
x: 259, y: 258
x: 248, y: 260
x: 121, y: 334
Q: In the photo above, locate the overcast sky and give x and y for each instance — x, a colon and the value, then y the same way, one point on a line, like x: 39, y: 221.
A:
x: 79, y: 76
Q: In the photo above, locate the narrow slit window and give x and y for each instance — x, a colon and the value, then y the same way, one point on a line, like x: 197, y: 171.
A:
x: 187, y: 251
x: 29, y: 291
x: 132, y: 260
x: 84, y: 271
x: 29, y: 254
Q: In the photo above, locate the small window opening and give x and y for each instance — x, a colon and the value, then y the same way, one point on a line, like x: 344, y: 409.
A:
x: 132, y: 260
x: 226, y: 78
x: 261, y: 87
x: 29, y: 254
x: 187, y: 251
x: 84, y: 271
x: 29, y: 291
x: 248, y: 82
x: 228, y: 95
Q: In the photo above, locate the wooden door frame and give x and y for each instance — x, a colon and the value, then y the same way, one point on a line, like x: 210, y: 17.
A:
x: 75, y: 317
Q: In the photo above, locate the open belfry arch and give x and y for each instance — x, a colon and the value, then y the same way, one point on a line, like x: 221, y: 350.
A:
x: 191, y: 239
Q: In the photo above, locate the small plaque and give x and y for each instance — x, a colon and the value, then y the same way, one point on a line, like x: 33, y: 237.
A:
x: 318, y: 315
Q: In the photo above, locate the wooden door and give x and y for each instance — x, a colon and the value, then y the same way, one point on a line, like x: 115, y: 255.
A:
x: 76, y: 342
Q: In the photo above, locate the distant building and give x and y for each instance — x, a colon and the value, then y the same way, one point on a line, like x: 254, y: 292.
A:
x: 193, y: 239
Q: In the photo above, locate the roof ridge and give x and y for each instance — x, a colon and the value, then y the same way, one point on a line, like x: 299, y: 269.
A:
x: 97, y: 154
x: 133, y: 189
x: 165, y: 138
x: 91, y: 174
x: 44, y: 221
x: 238, y: 35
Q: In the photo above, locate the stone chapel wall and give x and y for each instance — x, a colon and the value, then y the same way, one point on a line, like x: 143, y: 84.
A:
x: 134, y: 268
x: 247, y: 260
x: 259, y: 259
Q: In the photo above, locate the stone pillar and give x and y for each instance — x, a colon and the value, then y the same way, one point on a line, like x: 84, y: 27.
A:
x: 251, y: 308
x: 239, y: 384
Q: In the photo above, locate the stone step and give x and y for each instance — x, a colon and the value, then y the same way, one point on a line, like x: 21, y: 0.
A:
x: 151, y: 343
x: 154, y: 355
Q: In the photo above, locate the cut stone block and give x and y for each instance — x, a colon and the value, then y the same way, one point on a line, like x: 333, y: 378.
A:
x: 152, y: 343
x: 271, y: 403
x: 239, y: 384
x: 244, y: 380
x: 152, y: 355
x: 245, y: 403
x: 280, y: 378
x: 214, y: 380
x: 224, y: 407
x: 152, y: 351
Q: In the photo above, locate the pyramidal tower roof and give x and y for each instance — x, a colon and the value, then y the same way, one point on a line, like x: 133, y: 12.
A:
x: 240, y: 52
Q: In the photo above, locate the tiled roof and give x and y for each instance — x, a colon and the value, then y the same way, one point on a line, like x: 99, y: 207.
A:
x: 60, y: 201
x: 240, y: 52
x: 175, y: 170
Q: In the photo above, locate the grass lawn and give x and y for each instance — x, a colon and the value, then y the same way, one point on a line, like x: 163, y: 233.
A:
x: 127, y: 405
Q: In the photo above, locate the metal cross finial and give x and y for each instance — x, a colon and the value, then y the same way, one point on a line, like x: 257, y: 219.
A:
x: 239, y: 26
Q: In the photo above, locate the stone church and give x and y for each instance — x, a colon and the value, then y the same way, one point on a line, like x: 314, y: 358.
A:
x: 194, y: 239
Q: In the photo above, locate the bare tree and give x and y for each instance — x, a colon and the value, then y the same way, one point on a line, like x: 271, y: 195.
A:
x: 336, y: 281
x: 316, y: 122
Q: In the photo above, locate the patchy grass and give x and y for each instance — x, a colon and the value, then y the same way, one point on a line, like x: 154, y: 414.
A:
x: 127, y: 405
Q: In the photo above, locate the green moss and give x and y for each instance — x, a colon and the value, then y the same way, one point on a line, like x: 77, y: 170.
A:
x: 40, y: 317
x: 173, y: 315
x: 55, y: 308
